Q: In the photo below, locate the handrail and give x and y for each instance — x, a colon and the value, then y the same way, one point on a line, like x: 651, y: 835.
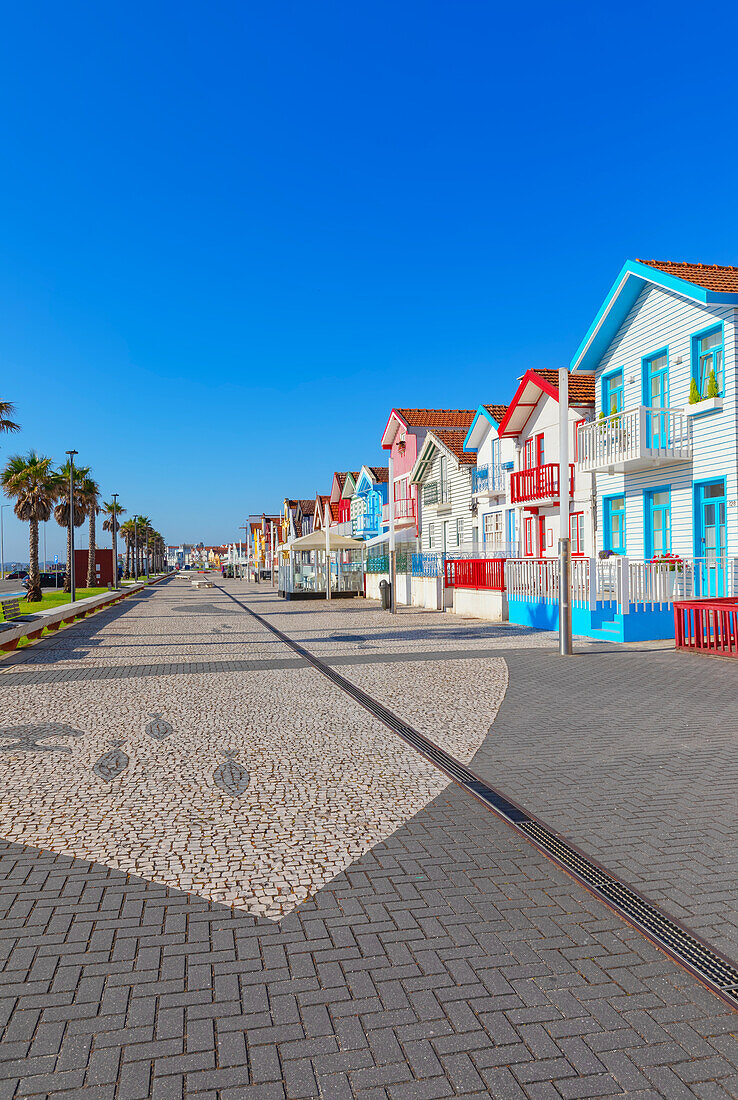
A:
x: 538, y: 483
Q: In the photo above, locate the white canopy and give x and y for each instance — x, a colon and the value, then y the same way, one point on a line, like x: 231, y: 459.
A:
x: 316, y: 541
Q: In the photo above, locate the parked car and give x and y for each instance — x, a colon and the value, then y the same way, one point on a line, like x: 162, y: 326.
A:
x: 18, y: 575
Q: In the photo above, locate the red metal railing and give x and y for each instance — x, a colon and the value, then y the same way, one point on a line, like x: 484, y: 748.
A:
x: 707, y: 626
x: 476, y: 573
x: 538, y: 483
x: 405, y: 509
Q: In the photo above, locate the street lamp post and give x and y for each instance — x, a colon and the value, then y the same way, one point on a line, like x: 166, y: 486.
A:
x: 135, y: 547
x: 72, y: 585
x: 115, y: 541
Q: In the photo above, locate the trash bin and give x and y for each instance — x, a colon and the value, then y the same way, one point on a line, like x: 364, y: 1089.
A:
x: 385, y: 589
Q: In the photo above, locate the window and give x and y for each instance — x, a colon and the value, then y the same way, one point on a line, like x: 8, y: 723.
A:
x: 658, y: 522
x: 576, y: 532
x: 613, y: 392
x: 529, y: 456
x: 459, y: 532
x: 614, y: 534
x: 707, y: 361
x: 431, y: 536
x: 575, y: 449
x: 493, y: 530
x: 528, y: 536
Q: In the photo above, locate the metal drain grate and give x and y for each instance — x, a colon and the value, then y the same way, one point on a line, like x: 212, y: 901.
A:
x: 702, y: 961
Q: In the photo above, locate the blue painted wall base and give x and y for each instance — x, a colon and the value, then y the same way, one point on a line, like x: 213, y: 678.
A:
x: 603, y: 622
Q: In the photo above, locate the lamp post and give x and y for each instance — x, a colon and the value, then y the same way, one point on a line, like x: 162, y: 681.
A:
x: 2, y: 542
x: 135, y: 547
x: 72, y: 585
x: 565, y: 641
x: 115, y: 541
x: 245, y: 528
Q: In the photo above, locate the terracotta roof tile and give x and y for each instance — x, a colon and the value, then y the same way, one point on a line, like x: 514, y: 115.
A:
x: 454, y: 442
x: 333, y: 505
x: 581, y: 385
x: 379, y: 473
x: 438, y: 418
x: 341, y: 479
x: 496, y: 411
x: 710, y: 276
x: 355, y: 475
x: 307, y: 507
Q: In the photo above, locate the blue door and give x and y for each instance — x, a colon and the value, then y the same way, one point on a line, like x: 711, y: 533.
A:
x: 710, y: 538
x: 657, y: 383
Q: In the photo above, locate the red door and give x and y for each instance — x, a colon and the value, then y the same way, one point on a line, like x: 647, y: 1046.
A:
x: 541, y: 537
x: 528, y: 548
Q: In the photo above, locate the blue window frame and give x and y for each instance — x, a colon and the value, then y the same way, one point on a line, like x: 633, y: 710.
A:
x: 613, y: 392
x: 656, y: 396
x: 708, y: 354
x: 657, y: 518
x: 614, y: 533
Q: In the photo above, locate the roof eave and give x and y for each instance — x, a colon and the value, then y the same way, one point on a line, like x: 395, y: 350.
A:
x: 484, y: 414
x: 620, y: 299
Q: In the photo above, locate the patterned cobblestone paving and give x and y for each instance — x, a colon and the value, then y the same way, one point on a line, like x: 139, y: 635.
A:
x: 451, y: 959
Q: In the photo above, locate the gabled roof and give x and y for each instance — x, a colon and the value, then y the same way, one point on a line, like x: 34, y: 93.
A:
x: 485, y: 415
x: 533, y: 385
x: 307, y: 507
x: 425, y: 418
x: 703, y: 283
x: 448, y: 439
x: 372, y: 475
x: 379, y: 473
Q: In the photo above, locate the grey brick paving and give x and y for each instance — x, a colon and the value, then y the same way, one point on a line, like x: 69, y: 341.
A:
x: 450, y: 960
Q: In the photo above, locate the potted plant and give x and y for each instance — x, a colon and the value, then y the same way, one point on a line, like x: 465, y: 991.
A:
x: 670, y: 566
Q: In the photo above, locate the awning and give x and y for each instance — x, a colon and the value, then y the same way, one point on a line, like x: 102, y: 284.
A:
x: 316, y: 541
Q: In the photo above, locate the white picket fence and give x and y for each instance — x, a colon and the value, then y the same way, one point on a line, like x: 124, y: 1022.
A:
x: 621, y: 582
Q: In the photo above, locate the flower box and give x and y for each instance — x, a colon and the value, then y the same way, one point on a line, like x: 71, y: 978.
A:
x: 707, y: 405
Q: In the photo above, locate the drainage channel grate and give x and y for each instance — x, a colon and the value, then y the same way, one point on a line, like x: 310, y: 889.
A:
x: 709, y: 967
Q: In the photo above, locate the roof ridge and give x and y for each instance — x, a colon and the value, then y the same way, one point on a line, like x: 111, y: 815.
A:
x: 688, y: 263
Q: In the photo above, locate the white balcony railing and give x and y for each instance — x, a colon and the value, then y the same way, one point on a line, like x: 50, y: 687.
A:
x: 634, y: 439
x: 623, y: 584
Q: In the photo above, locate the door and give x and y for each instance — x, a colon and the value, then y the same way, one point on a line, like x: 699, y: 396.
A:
x: 528, y: 550
x: 541, y: 537
x: 658, y: 398
x: 710, y: 537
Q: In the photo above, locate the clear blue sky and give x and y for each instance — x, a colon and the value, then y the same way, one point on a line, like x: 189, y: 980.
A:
x: 234, y: 235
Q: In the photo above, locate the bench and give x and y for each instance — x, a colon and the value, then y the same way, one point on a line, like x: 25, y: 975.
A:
x: 12, y: 612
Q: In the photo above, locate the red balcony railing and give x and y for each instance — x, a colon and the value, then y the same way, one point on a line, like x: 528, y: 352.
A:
x: 476, y: 573
x: 405, y: 510
x: 538, y: 483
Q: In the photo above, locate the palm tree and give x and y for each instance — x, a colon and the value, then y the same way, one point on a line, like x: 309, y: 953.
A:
x: 78, y: 511
x: 34, y: 483
x: 144, y: 527
x: 112, y: 510
x: 90, y: 493
x: 6, y: 411
x: 127, y: 530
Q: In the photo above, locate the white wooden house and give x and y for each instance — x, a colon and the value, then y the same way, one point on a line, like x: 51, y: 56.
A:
x: 443, y: 475
x: 494, y: 519
x: 664, y: 445
x: 531, y: 424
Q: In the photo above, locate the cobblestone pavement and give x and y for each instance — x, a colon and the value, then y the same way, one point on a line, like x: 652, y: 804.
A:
x: 629, y: 751
x: 449, y: 959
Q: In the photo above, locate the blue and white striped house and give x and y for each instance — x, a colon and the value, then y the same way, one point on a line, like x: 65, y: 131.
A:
x: 369, y: 498
x: 664, y: 441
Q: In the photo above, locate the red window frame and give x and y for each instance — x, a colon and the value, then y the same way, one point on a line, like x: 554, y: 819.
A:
x: 576, y: 534
x: 540, y: 452
x: 541, y: 537
x: 528, y: 536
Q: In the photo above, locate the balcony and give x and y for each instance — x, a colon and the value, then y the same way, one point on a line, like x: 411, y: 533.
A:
x: 366, y: 526
x: 488, y: 479
x: 638, y: 439
x: 539, y: 484
x: 436, y: 493
x: 406, y: 512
